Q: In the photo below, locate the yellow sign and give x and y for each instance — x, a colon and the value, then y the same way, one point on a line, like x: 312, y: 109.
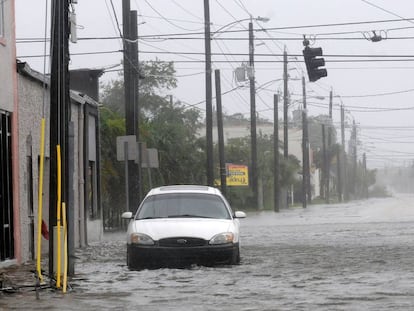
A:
x: 237, y: 175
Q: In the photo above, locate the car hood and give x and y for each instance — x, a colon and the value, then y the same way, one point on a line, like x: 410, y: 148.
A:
x: 178, y: 227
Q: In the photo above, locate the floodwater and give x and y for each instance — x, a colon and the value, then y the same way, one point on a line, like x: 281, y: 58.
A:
x: 353, y: 256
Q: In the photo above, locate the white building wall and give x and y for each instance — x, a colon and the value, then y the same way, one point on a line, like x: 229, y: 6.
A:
x: 294, y: 144
x: 30, y: 114
x: 294, y: 136
x: 7, y: 58
x: 31, y: 110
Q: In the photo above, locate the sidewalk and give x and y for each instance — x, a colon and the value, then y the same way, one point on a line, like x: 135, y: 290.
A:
x: 17, y: 277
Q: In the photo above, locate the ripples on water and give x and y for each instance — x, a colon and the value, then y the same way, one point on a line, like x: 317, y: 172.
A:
x: 323, y: 258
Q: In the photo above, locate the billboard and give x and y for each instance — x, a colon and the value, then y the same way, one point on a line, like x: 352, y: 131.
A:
x: 237, y: 175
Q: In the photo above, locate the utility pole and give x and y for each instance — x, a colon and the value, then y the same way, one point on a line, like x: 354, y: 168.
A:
x: 339, y: 163
x: 285, y: 106
x: 324, y: 163
x: 345, y: 192
x: 209, y: 100
x: 254, y: 168
x: 305, y: 150
x: 364, y: 176
x: 306, y: 134
x: 354, y: 156
x: 276, y: 165
x: 129, y: 28
x: 328, y: 163
x: 59, y: 117
x: 284, y: 191
x: 135, y: 95
x: 223, y: 176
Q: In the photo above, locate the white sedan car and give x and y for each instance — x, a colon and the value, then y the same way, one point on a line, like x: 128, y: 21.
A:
x: 182, y: 225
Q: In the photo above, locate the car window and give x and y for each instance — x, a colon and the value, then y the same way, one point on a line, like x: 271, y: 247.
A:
x: 183, y: 205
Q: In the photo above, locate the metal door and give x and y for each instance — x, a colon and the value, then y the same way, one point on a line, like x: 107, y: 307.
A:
x: 6, y: 193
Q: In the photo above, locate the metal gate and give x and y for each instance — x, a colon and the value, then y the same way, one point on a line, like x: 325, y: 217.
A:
x: 6, y: 193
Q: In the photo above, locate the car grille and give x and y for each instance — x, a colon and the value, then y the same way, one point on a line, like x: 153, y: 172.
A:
x: 182, y: 242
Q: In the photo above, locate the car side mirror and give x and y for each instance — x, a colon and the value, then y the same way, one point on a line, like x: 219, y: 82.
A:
x: 126, y: 215
x: 239, y: 214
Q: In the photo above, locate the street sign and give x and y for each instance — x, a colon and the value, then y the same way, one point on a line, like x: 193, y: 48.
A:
x: 128, y: 142
x: 150, y: 159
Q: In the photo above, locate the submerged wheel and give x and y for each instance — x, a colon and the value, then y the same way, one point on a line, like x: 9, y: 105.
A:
x: 236, y: 257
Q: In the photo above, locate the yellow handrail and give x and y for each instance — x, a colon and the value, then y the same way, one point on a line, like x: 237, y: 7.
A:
x: 65, y: 248
x: 59, y: 198
x: 40, y: 201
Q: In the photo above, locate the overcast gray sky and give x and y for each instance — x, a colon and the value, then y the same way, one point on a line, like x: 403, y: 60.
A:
x: 385, y: 122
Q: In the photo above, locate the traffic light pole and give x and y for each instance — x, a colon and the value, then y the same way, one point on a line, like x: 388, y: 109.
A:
x: 306, y: 190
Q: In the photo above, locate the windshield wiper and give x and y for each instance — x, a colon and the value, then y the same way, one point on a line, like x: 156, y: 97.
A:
x: 149, y: 217
x: 188, y: 216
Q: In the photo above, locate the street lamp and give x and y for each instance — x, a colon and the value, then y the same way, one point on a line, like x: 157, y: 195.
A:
x: 254, y: 168
x: 229, y: 25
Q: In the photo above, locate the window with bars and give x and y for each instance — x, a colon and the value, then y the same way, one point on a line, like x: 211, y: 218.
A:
x: 6, y: 194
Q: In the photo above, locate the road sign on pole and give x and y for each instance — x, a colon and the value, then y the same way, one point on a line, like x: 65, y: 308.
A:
x: 150, y: 158
x: 132, y: 149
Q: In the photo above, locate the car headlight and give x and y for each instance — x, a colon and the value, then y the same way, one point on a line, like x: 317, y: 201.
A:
x: 140, y: 238
x: 222, y: 238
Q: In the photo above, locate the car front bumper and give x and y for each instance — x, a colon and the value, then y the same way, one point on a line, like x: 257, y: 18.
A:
x: 140, y: 256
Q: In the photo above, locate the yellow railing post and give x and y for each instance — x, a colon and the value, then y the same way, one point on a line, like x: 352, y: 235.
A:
x: 65, y: 248
x: 40, y: 201
x: 59, y: 198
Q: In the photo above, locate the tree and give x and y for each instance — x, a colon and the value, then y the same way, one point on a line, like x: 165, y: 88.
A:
x: 168, y: 127
x: 237, y: 151
x: 172, y: 130
x: 158, y: 77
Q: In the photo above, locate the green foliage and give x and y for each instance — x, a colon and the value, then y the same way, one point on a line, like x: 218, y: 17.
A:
x: 112, y: 173
x: 163, y: 125
x: 158, y: 77
x: 238, y: 151
x: 172, y: 131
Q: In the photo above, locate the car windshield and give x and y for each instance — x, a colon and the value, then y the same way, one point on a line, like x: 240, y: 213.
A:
x: 183, y: 205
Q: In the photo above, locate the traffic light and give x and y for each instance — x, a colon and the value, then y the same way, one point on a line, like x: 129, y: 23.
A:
x: 313, y: 63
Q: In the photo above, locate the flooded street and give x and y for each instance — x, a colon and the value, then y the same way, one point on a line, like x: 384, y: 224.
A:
x: 354, y: 256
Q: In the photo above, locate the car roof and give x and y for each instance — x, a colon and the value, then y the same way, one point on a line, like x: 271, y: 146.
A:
x: 185, y: 189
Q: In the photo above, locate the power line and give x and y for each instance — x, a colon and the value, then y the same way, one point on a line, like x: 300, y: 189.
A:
x: 192, y: 60
x: 278, y: 55
x: 365, y: 109
x: 378, y: 94
x: 171, y: 19
x: 143, y: 37
x: 166, y: 19
x: 286, y: 27
x: 387, y: 11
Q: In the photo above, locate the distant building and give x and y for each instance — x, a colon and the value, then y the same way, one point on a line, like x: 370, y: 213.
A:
x: 241, y: 128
